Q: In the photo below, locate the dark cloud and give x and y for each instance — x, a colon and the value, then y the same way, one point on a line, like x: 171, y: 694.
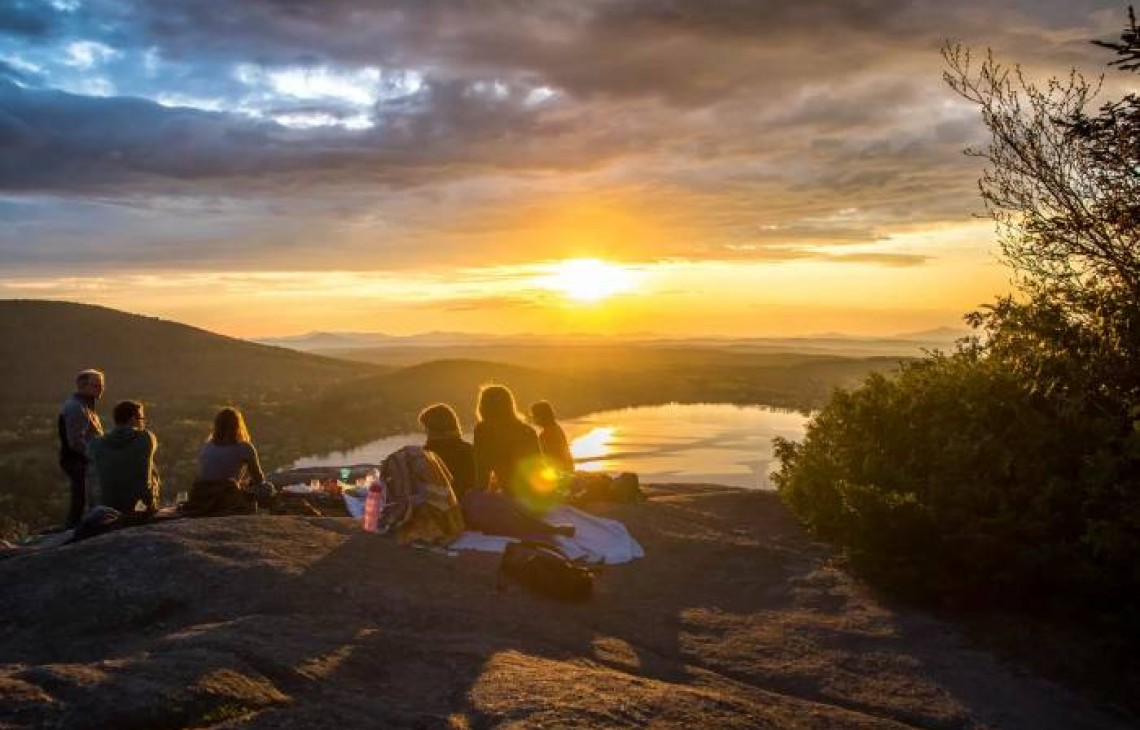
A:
x: 730, y: 123
x: 58, y: 141
x: 31, y: 18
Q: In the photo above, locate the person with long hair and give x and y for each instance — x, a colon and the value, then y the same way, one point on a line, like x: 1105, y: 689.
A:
x: 506, y: 448
x: 445, y: 440
x: 228, y: 453
x: 552, y: 438
x: 492, y: 513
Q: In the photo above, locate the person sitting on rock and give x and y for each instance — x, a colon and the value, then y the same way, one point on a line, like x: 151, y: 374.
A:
x: 124, y: 462
x: 552, y: 439
x: 229, y: 453
x: 444, y: 439
x: 506, y: 448
x: 491, y: 513
x: 230, y: 478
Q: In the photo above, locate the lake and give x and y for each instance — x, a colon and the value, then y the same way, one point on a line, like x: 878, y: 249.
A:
x: 710, y: 443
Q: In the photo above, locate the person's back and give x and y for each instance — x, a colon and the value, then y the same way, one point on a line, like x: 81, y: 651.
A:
x: 503, y: 449
x: 124, y: 461
x: 555, y: 448
x: 552, y: 439
x: 444, y: 439
x: 233, y: 461
x: 459, y: 458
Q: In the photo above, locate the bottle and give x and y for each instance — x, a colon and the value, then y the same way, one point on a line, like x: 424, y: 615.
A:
x: 373, y: 503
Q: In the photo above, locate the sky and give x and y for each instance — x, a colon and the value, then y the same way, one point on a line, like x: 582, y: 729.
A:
x: 681, y: 167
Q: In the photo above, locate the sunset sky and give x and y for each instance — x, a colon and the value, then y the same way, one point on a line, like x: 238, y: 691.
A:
x: 737, y: 167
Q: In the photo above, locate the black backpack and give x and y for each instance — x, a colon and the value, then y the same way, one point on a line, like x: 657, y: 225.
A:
x: 543, y: 569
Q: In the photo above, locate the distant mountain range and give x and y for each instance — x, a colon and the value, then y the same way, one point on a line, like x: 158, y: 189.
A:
x: 341, y: 343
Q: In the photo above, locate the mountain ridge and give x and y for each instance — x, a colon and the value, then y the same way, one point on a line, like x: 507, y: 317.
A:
x: 43, y: 343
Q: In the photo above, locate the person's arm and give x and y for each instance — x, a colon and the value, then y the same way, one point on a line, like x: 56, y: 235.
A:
x: 150, y: 499
x: 256, y: 475
x: 531, y: 447
x: 466, y: 467
x: 565, y: 455
x: 482, y: 461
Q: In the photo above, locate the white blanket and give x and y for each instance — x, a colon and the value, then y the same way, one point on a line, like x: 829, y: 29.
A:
x: 596, y: 539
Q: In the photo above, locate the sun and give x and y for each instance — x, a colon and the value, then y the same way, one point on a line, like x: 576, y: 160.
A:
x: 589, y: 280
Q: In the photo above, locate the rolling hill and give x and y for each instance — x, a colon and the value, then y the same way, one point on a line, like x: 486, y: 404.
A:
x: 44, y: 343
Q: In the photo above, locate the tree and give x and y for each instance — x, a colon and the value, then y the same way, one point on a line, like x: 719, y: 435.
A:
x: 1009, y: 470
x: 1063, y: 187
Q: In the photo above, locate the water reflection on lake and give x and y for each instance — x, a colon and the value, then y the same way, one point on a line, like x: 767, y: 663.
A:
x: 707, y: 443
x: 711, y: 443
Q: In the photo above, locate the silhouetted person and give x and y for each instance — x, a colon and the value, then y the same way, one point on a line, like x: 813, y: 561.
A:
x: 229, y: 454
x: 445, y: 440
x: 78, y: 425
x: 552, y: 439
x: 124, y: 460
x: 505, y: 446
x: 491, y: 513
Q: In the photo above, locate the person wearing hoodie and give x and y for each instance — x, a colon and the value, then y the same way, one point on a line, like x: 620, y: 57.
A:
x: 124, y: 461
x: 78, y: 425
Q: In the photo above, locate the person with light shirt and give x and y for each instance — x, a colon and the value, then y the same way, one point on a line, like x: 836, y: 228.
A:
x: 78, y: 425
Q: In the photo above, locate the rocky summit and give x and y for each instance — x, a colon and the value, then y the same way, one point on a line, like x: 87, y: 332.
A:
x: 734, y: 619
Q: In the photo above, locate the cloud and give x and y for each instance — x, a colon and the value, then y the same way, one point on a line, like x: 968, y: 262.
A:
x: 429, y: 130
x: 28, y: 18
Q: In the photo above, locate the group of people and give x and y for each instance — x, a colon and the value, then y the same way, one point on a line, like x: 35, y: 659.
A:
x: 500, y: 477
x: 116, y: 468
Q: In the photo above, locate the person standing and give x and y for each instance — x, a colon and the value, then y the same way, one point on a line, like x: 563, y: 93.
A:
x: 124, y: 461
x: 78, y: 425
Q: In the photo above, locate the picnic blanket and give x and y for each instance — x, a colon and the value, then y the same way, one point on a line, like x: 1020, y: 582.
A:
x: 596, y: 539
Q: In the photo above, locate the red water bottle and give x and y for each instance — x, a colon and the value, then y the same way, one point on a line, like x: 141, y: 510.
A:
x: 372, y: 506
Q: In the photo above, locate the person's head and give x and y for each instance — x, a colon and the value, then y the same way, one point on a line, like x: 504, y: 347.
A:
x: 129, y: 413
x: 542, y: 413
x: 496, y: 403
x: 90, y: 383
x: 229, y: 428
x: 439, y: 421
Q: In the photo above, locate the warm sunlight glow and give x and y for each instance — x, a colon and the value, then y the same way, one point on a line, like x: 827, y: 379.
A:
x: 592, y: 447
x: 589, y: 280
